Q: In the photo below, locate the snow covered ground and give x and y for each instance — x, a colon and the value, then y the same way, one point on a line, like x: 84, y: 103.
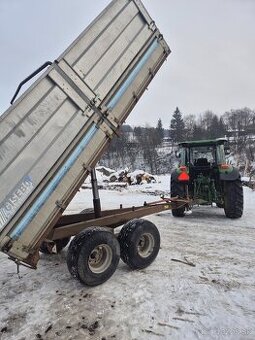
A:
x: 215, y: 299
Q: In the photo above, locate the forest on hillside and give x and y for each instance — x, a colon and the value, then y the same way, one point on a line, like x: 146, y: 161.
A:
x: 152, y: 148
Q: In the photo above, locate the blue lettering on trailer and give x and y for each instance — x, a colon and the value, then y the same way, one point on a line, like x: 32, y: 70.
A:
x: 53, y: 184
x: 116, y: 98
x: 14, y: 200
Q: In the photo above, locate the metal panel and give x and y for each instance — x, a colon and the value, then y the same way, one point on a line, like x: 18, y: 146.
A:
x: 86, y: 38
x: 125, y: 23
x: 144, y: 70
x: 36, y: 119
x: 58, y: 129
x: 15, y: 114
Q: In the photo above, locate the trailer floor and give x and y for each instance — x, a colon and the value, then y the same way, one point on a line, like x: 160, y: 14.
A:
x: 214, y: 299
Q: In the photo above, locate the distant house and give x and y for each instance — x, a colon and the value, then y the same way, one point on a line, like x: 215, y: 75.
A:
x: 167, y: 141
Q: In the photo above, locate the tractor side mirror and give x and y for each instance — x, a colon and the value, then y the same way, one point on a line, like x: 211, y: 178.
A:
x: 177, y: 154
x: 227, y: 151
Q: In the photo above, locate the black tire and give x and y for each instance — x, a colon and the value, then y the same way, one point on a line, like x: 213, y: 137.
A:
x: 177, y: 189
x: 233, y: 199
x: 93, y: 256
x: 139, y: 243
x: 46, y: 248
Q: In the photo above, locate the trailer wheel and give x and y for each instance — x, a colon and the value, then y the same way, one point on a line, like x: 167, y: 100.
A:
x: 93, y: 256
x: 139, y: 243
x: 47, y: 248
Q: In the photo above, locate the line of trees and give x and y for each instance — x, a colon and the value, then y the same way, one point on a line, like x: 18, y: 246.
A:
x: 236, y: 125
x: 137, y: 147
x: 209, y: 125
x: 141, y: 146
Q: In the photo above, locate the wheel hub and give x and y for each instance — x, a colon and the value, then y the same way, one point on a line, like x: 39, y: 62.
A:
x: 100, y: 258
x: 145, y: 245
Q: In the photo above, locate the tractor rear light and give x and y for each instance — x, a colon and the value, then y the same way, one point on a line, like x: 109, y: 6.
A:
x: 183, y: 176
x: 224, y: 166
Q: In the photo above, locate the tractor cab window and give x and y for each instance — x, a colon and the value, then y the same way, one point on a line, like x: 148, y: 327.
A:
x: 221, y: 154
x: 202, y: 155
x: 183, y: 155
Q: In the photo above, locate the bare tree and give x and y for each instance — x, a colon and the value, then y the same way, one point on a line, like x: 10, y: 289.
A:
x: 190, y: 123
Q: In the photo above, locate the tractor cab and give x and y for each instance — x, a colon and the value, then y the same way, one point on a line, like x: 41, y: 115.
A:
x: 201, y: 156
x: 204, y: 176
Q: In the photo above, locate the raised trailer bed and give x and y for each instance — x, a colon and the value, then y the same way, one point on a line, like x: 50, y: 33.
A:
x: 56, y: 132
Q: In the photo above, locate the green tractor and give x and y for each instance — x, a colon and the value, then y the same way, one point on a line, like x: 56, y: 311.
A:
x: 204, y: 177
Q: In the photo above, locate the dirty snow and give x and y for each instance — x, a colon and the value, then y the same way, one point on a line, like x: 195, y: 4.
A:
x: 215, y: 299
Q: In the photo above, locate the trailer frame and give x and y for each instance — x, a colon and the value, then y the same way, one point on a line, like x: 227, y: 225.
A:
x: 73, y: 225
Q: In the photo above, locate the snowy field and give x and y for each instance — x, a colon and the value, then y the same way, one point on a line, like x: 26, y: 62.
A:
x: 214, y: 299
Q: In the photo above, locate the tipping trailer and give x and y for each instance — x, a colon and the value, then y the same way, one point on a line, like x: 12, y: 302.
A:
x: 55, y: 133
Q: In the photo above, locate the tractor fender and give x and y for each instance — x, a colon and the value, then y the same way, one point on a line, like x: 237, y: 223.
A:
x: 230, y: 176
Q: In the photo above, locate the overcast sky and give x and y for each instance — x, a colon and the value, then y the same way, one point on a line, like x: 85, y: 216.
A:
x: 212, y: 64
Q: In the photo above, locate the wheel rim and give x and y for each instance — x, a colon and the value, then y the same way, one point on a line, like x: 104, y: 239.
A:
x: 100, y: 258
x: 145, y: 245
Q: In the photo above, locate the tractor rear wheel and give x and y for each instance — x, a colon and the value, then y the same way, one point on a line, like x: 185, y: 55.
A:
x: 177, y: 189
x: 233, y: 199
